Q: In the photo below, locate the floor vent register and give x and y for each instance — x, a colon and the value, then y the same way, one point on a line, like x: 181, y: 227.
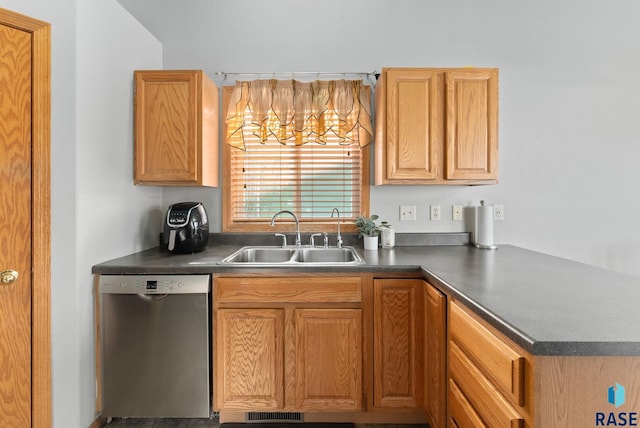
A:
x: 275, y: 417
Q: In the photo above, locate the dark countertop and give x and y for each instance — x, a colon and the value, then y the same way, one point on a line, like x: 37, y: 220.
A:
x: 547, y: 305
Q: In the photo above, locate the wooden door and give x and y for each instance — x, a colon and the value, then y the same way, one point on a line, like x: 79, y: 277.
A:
x: 472, y: 124
x: 25, y: 369
x: 249, y: 368
x: 329, y: 359
x: 396, y: 352
x: 15, y: 227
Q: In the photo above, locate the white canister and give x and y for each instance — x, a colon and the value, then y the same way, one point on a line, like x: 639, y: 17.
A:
x: 388, y: 237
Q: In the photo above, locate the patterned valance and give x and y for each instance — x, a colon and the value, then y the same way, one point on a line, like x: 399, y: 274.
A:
x: 297, y: 112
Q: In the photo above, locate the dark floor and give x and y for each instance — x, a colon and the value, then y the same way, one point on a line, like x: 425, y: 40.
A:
x: 207, y: 423
x: 162, y: 423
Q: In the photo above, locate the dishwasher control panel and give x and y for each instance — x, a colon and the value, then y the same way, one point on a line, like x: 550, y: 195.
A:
x: 154, y: 284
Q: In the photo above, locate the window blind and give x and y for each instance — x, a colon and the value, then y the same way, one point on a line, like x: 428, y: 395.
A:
x: 309, y: 180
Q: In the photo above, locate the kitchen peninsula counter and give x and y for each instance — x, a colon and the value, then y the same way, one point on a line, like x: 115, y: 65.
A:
x: 545, y: 304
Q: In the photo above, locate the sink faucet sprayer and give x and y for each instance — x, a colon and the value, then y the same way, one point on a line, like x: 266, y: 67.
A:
x: 273, y: 221
x: 339, y: 237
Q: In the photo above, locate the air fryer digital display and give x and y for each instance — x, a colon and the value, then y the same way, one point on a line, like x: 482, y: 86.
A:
x: 178, y: 218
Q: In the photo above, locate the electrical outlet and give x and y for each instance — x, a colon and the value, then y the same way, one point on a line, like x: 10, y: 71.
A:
x: 407, y: 213
x: 435, y: 212
x: 498, y: 212
x: 456, y: 213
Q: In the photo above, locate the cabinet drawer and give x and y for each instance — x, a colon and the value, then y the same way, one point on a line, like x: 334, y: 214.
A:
x: 481, y: 393
x: 288, y: 290
x: 462, y: 412
x: 495, y: 358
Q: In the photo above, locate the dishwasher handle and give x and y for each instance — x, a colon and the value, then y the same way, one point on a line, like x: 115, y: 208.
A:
x: 153, y: 297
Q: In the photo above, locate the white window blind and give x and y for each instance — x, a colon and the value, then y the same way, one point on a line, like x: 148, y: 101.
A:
x: 309, y: 180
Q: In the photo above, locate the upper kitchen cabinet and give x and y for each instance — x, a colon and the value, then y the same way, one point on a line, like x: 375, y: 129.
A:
x: 437, y: 126
x: 176, y: 128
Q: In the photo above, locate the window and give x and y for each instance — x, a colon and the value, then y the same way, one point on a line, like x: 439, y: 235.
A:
x: 309, y: 180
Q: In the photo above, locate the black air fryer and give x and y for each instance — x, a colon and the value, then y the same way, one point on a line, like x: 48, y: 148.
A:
x: 186, y: 228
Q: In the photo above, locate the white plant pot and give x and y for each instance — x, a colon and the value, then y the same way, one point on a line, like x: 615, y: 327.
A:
x: 370, y: 242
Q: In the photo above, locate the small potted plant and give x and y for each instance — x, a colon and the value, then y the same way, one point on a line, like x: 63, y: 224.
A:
x: 369, y: 230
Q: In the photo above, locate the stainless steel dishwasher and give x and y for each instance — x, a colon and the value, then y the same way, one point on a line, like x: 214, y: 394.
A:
x: 155, y: 343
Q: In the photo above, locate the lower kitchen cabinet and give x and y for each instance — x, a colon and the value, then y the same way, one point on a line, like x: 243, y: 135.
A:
x: 328, y: 359
x: 488, y: 375
x: 321, y: 344
x: 397, y: 343
x: 250, y: 360
x: 435, y: 356
x: 287, y: 344
x: 463, y: 415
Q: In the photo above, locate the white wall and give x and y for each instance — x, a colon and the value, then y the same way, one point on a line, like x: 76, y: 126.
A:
x: 114, y: 217
x: 569, y: 100
x: 96, y: 212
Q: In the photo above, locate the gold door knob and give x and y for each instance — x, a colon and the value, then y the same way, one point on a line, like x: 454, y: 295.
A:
x: 8, y: 276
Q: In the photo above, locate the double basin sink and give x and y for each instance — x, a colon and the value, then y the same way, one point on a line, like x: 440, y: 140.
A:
x: 293, y: 256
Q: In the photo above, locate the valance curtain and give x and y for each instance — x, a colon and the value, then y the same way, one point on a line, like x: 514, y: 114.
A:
x: 297, y: 112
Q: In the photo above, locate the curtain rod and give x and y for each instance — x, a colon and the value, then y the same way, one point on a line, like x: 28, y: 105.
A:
x: 317, y: 73
x: 369, y: 76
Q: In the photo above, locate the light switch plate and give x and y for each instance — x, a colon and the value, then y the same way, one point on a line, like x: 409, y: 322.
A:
x: 407, y: 213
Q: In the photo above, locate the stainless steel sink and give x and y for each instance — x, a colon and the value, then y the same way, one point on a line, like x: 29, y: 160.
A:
x: 326, y: 255
x: 261, y: 255
x: 293, y: 256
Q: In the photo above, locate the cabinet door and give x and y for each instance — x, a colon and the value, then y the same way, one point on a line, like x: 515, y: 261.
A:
x: 328, y: 359
x: 396, y: 353
x: 472, y: 124
x: 176, y: 126
x: 435, y: 354
x: 412, y: 119
x: 249, y: 367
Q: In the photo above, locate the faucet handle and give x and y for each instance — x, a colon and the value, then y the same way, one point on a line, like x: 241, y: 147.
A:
x: 312, y: 240
x: 284, y: 238
x: 325, y: 237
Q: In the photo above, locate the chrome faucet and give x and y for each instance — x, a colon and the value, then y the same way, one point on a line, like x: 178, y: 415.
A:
x: 312, y: 242
x: 273, y: 222
x: 339, y: 237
